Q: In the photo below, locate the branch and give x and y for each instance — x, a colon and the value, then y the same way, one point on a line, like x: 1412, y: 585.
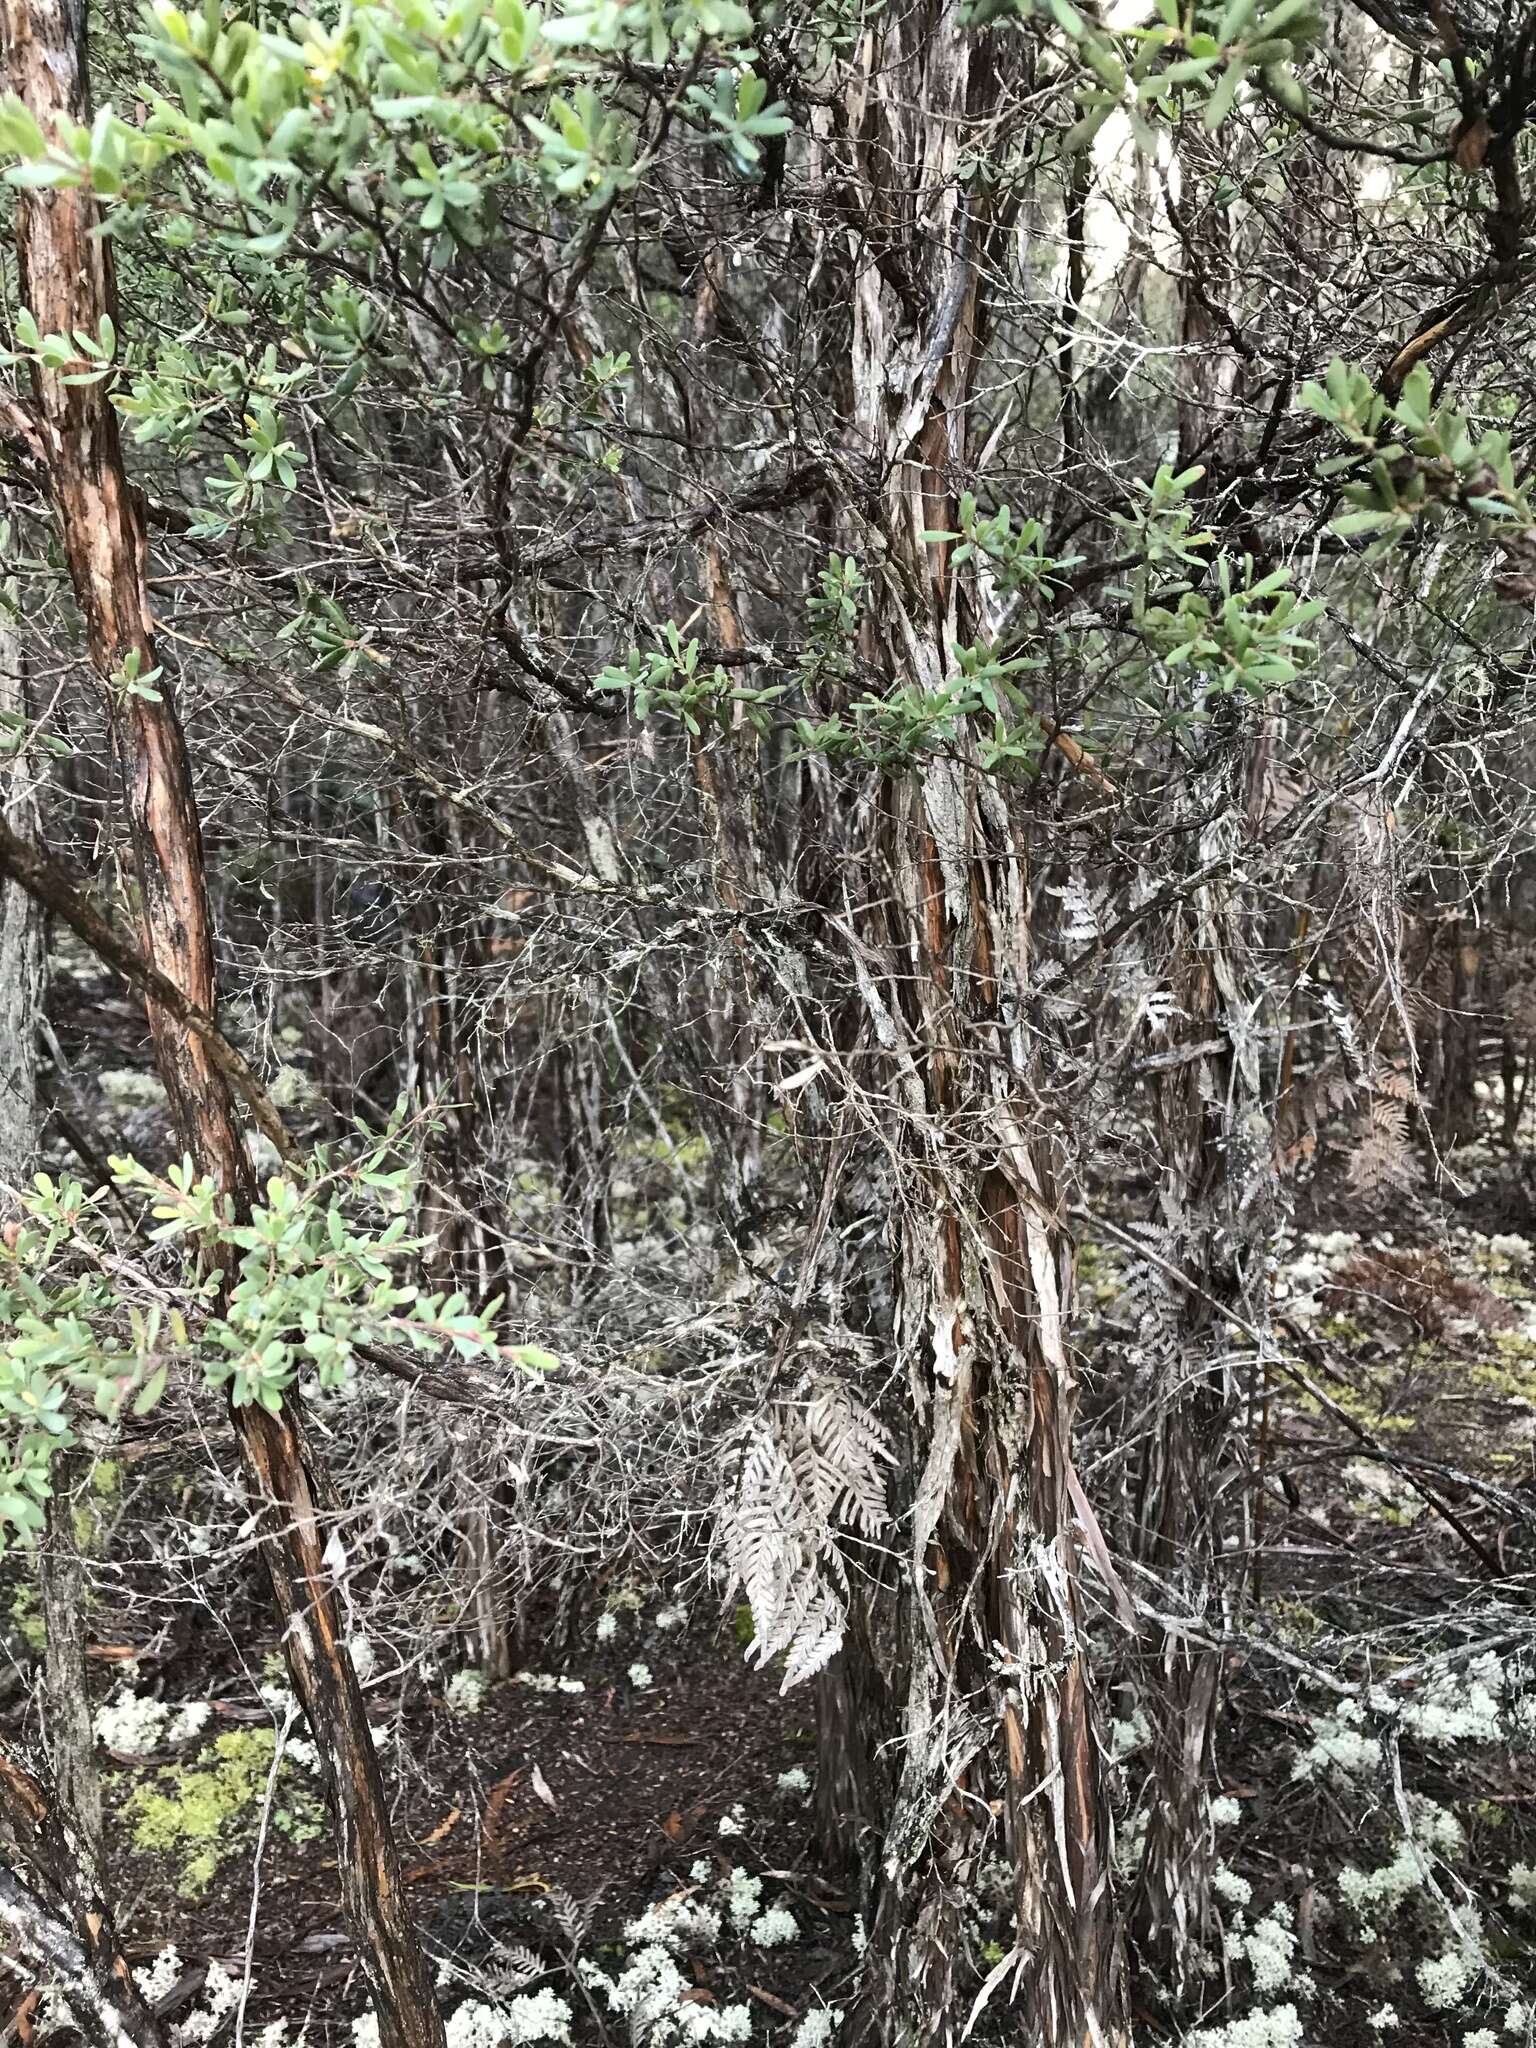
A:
x: 52, y: 887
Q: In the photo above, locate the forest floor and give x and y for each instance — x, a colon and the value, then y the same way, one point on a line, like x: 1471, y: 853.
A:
x: 641, y: 1766
x: 543, y: 1819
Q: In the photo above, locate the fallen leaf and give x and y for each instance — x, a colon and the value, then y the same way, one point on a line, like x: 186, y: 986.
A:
x: 442, y: 1828
x: 673, y: 1825
x: 498, y: 1800
x: 541, y: 1790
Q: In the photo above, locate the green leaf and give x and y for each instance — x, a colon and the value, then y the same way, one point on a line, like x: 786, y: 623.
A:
x: 153, y: 1390
x: 1222, y: 98
x: 1349, y: 523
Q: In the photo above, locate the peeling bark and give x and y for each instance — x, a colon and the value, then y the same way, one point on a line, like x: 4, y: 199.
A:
x: 998, y: 1751
x: 1215, y: 1147
x: 44, y: 1942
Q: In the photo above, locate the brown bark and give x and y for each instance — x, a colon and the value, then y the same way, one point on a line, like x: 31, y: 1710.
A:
x: 999, y: 1754
x: 66, y: 279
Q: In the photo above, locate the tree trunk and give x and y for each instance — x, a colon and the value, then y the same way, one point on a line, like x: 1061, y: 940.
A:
x: 108, y: 2013
x: 67, y: 1723
x: 21, y: 925
x: 1215, y: 1152
x: 70, y: 1943
x: 67, y: 281
x: 999, y: 1754
x: 1215, y: 1145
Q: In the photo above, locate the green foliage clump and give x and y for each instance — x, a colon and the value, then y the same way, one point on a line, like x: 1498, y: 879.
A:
x: 298, y: 1283
x: 1192, y: 59
x: 668, y: 680
x: 201, y: 1813
x: 1412, y: 459
x: 1197, y: 625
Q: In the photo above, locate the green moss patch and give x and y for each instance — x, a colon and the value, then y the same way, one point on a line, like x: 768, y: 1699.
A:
x: 200, y: 1814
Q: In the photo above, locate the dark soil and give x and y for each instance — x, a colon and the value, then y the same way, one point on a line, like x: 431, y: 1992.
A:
x: 603, y: 1799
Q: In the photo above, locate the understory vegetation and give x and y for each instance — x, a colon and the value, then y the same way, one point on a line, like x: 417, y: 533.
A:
x: 767, y: 1009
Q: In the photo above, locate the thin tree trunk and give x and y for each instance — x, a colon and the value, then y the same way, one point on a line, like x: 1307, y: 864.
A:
x: 67, y: 280
x: 83, y: 1961
x: 22, y: 963
x: 1214, y: 1153
x: 66, y: 1703
x: 999, y: 1754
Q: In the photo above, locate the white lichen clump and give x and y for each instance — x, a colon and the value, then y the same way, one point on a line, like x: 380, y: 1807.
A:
x: 776, y: 1928
x: 651, y: 1994
x: 221, y: 1994
x: 1377, y: 1894
x: 818, y: 2027
x: 678, y: 1925
x: 136, y: 1725
x: 1268, y: 1947
x: 1463, y: 1706
x: 547, y: 1681
x: 156, y: 1979
x: 465, y: 1692
x: 1339, y: 1743
x: 1279, y: 2028
x: 743, y: 1897
x: 533, y: 2016
x: 1445, y: 1979
x: 530, y: 2017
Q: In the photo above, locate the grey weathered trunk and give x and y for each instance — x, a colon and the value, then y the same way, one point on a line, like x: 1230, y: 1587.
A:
x: 21, y: 922
x: 1215, y: 1145
x: 60, y: 1566
x: 1215, y: 1149
x: 998, y: 1756
x: 67, y: 1725
x: 56, y: 1920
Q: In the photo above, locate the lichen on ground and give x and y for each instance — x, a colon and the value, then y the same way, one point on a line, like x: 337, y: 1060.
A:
x: 203, y: 1812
